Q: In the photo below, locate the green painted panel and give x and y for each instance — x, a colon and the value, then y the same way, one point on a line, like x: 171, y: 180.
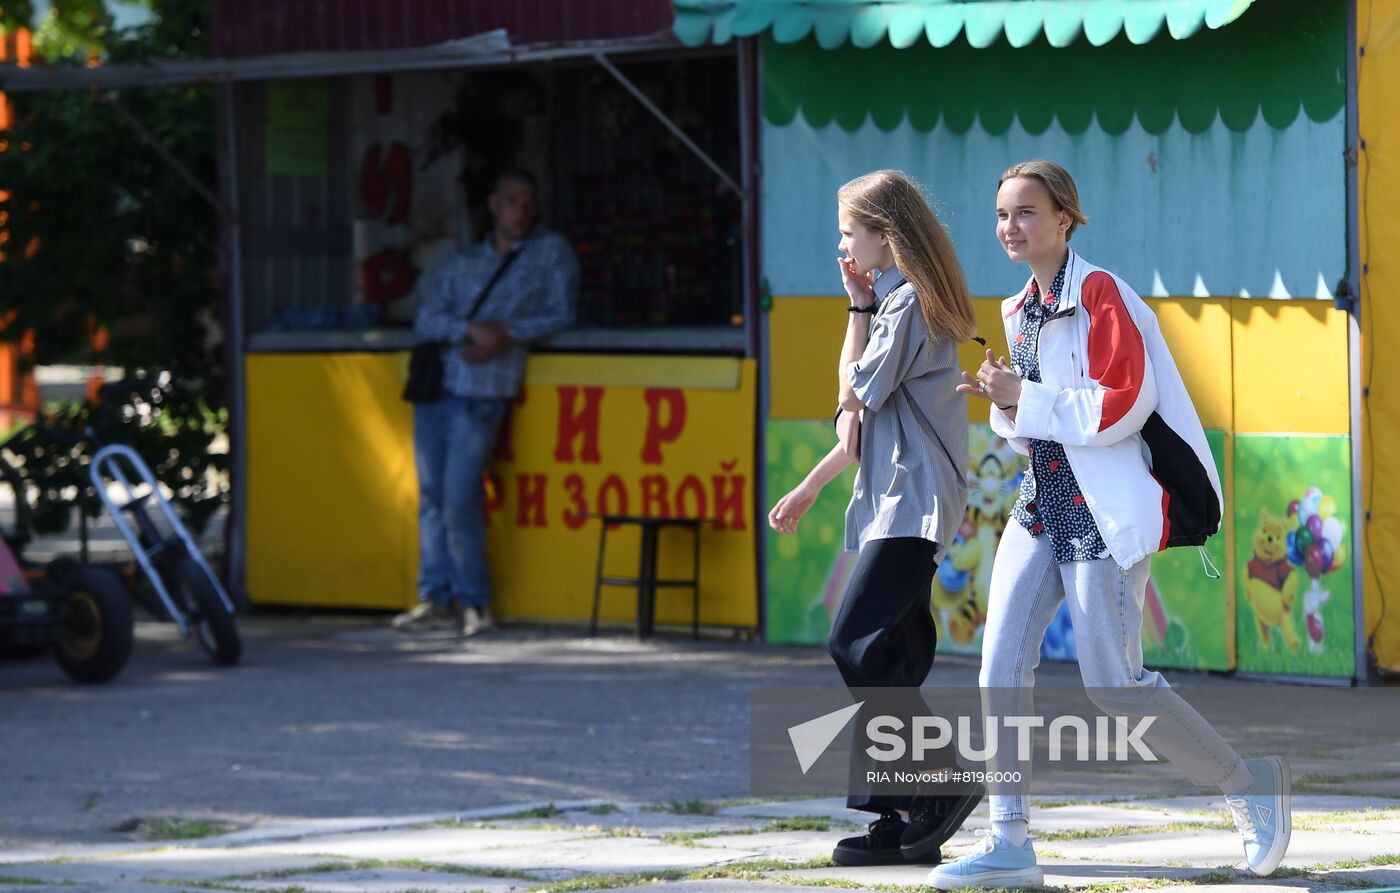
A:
x: 806, y: 571
x: 1295, y: 615
x: 1281, y: 58
x: 1186, y: 614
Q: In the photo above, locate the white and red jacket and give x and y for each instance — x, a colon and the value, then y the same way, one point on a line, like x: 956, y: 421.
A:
x: 1111, y: 394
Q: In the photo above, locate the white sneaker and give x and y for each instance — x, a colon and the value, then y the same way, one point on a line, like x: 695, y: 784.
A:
x: 477, y: 620
x: 1263, y: 814
x: 996, y: 863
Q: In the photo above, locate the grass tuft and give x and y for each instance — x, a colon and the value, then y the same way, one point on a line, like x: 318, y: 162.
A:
x: 548, y: 811
x: 180, y: 829
x: 1133, y: 830
x: 610, y: 881
x: 691, y: 807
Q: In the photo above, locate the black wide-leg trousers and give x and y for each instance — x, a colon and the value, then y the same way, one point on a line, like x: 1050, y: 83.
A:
x: 883, y: 636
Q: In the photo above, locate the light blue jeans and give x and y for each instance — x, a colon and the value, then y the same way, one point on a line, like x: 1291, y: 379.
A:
x: 1105, y: 607
x: 453, y: 440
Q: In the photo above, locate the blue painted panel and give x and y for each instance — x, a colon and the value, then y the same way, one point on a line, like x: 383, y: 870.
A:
x: 1260, y: 212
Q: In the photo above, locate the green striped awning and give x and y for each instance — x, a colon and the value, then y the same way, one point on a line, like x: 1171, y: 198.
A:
x: 866, y: 23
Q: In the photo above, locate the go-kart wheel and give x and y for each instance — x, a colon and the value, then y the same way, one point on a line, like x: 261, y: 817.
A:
x: 212, y: 623
x: 96, y: 639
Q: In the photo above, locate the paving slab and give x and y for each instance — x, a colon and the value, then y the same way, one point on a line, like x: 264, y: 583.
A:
x: 386, y: 880
x: 1367, y: 826
x: 620, y: 855
x: 1376, y: 757
x: 41, y: 852
x: 721, y: 885
x: 793, y: 846
x: 1215, y: 848
x: 1055, y: 818
x: 431, y: 844
x: 650, y: 823
x: 1386, y: 788
x: 1373, y: 877
x: 825, y: 807
x: 1089, y: 815
x: 1058, y: 873
x: 114, y: 886
x: 163, y: 865
x: 290, y: 829
x: 1302, y: 803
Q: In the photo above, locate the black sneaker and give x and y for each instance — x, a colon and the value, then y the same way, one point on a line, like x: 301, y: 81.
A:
x: 878, y: 846
x: 932, y: 820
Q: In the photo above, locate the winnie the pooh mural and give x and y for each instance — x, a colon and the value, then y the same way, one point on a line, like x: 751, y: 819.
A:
x: 1270, y: 585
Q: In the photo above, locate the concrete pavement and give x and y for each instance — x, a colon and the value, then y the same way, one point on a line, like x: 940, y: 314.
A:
x: 342, y: 757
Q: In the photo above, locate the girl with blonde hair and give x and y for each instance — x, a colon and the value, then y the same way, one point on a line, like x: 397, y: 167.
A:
x: 903, y: 420
x: 1120, y: 469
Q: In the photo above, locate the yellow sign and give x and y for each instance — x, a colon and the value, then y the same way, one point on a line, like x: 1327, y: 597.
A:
x: 332, y: 517
x: 574, y: 451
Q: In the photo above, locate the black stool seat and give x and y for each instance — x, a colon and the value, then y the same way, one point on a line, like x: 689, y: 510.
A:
x: 646, y: 582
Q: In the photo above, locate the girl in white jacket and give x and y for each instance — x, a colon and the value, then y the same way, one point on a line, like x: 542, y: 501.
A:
x: 1120, y: 469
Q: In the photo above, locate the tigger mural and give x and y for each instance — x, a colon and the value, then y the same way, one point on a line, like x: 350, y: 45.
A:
x: 959, y: 593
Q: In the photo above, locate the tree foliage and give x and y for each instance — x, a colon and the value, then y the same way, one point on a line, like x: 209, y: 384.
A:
x: 100, y: 232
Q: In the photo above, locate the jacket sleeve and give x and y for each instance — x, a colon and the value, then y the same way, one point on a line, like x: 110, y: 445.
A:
x: 1002, y: 426
x: 1006, y: 429
x: 1118, y: 361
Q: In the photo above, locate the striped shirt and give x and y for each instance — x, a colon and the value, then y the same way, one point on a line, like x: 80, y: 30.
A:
x: 912, y: 480
x: 535, y: 299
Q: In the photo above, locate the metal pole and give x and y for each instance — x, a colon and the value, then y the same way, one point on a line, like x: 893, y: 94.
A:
x: 166, y: 155
x: 755, y: 315
x: 1359, y: 510
x: 236, y: 557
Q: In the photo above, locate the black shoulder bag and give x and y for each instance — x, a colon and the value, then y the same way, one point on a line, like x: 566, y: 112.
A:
x: 425, y: 360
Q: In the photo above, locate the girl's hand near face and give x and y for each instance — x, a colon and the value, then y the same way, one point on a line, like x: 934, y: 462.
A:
x: 860, y: 289
x: 995, y: 380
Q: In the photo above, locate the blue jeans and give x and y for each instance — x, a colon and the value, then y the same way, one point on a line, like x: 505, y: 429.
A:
x: 453, y: 440
x: 1105, y: 606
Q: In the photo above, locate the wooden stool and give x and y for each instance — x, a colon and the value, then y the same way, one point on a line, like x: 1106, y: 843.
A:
x: 646, y: 582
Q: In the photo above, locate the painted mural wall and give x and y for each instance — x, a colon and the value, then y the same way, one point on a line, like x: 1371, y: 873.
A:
x: 1180, y: 150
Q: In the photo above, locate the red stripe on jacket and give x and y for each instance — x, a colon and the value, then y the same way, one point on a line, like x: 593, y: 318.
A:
x: 1166, y: 510
x: 1116, y: 351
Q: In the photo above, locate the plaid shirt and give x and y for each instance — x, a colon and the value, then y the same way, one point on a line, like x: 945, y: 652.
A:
x: 534, y: 298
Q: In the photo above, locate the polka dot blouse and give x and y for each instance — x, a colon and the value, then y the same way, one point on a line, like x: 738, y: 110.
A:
x: 1051, y: 502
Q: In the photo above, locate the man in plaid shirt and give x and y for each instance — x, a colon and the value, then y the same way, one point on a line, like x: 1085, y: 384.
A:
x: 453, y: 438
